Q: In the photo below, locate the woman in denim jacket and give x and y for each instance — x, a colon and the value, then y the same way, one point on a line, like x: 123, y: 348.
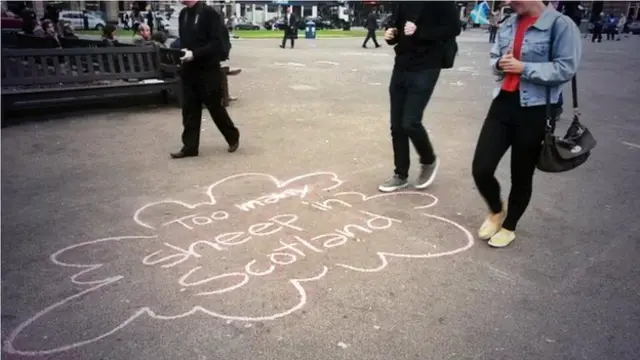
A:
x: 516, y: 118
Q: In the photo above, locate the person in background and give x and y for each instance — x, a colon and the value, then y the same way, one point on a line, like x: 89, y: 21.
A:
x: 611, y: 27
x: 150, y: 19
x: 231, y: 23
x: 136, y: 19
x: 143, y: 36
x: 290, y: 27
x: 52, y: 14
x: 159, y: 38
x: 29, y: 21
x: 372, y: 26
x: 598, y: 25
x: 203, y: 48
x: 85, y: 20
x: 517, y: 116
x: 50, y: 32
x: 68, y: 31
x: 226, y: 37
x: 424, y: 35
x: 38, y: 29
x: 109, y: 35
x: 621, y: 23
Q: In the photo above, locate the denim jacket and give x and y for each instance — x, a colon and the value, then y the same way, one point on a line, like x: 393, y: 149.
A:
x: 538, y: 71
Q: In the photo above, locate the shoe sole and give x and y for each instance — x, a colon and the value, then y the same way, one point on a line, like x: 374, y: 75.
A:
x: 182, y: 157
x: 389, y: 189
x: 500, y: 246
x: 431, y: 178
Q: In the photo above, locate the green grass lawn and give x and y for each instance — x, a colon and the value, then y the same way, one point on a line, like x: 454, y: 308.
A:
x: 260, y: 34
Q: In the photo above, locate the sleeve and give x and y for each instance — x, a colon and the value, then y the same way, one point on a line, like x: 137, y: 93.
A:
x: 393, y: 23
x: 448, y: 26
x: 181, y: 22
x: 495, y: 54
x: 213, y: 34
x: 567, y: 52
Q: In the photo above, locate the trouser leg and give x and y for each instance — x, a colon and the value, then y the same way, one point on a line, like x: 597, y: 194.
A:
x: 191, y: 116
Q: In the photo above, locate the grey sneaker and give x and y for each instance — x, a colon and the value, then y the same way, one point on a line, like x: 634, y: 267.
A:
x: 427, y: 175
x: 393, y: 184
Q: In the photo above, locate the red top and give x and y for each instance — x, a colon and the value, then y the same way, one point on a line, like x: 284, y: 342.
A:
x: 511, y: 82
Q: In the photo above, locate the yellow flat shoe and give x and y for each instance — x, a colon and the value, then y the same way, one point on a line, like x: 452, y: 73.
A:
x: 502, y: 238
x: 491, y: 225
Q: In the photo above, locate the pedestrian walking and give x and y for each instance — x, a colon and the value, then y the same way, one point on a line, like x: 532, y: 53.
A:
x: 424, y: 37
x: 290, y: 28
x: 203, y: 48
x: 517, y: 116
x: 621, y: 24
x: 598, y: 25
x: 372, y: 26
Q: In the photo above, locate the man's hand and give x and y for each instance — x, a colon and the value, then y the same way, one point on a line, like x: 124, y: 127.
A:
x: 390, y: 34
x: 409, y: 28
x: 188, y: 55
x: 509, y: 64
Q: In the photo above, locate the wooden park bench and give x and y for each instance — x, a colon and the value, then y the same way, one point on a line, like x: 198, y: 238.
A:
x: 38, y: 78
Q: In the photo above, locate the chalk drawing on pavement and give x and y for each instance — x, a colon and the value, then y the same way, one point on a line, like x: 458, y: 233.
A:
x: 290, y: 231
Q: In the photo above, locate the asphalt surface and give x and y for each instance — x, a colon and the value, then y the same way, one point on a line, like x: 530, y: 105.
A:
x: 280, y: 261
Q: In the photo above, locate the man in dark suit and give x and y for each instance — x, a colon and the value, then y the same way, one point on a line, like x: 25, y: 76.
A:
x: 372, y: 26
x: 203, y: 47
x: 291, y: 27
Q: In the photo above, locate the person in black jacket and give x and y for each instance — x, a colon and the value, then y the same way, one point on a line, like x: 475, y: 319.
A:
x: 290, y: 27
x: 372, y: 26
x: 203, y: 48
x: 424, y: 37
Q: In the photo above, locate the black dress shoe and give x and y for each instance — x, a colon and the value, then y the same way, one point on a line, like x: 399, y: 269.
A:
x: 234, y: 145
x: 183, y: 154
x: 281, y: 46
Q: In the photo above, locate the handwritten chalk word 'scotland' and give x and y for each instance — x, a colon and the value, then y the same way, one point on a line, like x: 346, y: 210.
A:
x: 249, y: 252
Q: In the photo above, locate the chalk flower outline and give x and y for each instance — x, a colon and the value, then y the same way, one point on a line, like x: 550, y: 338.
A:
x: 146, y: 310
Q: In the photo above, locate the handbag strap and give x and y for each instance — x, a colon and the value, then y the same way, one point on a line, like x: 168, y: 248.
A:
x: 551, y: 119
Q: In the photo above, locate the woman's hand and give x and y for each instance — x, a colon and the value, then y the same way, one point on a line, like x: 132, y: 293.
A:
x: 390, y: 34
x: 409, y: 28
x: 510, y: 64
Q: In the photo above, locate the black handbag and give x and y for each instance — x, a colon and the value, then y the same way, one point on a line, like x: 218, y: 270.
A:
x: 566, y: 153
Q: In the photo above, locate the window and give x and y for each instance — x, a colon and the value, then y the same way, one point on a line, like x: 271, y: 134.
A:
x: 308, y: 11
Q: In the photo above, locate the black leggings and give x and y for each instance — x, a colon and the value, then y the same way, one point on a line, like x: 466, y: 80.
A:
x: 521, y: 128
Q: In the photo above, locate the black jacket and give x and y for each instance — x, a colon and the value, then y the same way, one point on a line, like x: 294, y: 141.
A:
x: 437, y: 25
x: 201, y: 31
x: 291, y: 26
x: 372, y: 22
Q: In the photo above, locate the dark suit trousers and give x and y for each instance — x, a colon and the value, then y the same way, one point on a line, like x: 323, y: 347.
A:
x: 289, y: 33
x: 371, y: 34
x: 204, y: 88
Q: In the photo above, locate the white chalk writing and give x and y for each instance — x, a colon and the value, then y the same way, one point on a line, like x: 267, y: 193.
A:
x: 285, y: 240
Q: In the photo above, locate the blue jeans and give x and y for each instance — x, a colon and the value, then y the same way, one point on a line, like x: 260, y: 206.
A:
x: 410, y: 92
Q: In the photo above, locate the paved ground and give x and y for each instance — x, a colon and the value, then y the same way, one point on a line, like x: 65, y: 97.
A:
x: 283, y: 251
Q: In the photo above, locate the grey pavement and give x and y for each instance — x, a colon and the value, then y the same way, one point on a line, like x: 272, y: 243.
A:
x: 110, y: 250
